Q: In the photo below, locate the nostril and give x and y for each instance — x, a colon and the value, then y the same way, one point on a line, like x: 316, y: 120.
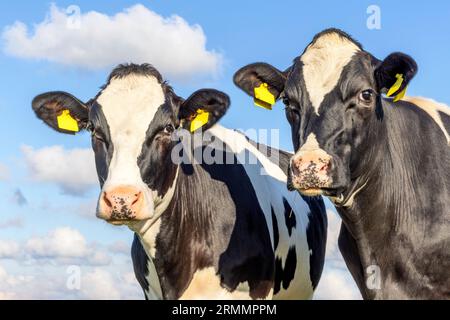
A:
x: 137, y: 196
x: 295, y: 169
x: 324, y: 167
x: 106, y: 200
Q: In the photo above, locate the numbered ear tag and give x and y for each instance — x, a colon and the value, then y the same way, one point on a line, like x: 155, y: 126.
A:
x: 199, y: 120
x: 397, y: 85
x: 67, y: 122
x: 263, y: 97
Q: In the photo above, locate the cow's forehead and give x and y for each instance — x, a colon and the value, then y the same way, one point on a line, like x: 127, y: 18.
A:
x: 130, y: 103
x: 323, y: 62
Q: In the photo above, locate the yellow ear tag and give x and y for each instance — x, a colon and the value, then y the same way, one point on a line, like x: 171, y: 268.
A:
x: 400, y: 95
x: 66, y: 122
x: 199, y: 120
x: 263, y: 97
x: 396, y: 85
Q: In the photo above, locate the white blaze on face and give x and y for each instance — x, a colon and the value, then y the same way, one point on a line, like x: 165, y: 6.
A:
x: 311, y: 151
x: 323, y: 62
x: 129, y: 105
x: 311, y: 144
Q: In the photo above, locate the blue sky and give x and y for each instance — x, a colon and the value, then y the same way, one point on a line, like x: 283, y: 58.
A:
x: 236, y: 33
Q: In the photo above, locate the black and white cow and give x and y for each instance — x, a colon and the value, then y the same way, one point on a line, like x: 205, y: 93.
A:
x: 385, y: 164
x: 203, y: 231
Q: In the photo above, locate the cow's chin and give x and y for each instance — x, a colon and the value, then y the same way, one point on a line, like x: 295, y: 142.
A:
x: 126, y: 222
x: 117, y: 222
x: 311, y: 192
x: 135, y: 222
x: 142, y: 226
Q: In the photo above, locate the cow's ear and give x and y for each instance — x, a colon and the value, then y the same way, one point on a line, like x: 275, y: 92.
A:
x: 262, y: 77
x: 61, y: 111
x: 394, y: 73
x: 203, y: 109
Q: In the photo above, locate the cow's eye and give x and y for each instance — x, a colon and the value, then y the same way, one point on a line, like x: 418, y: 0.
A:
x: 285, y: 101
x: 367, y: 96
x: 292, y: 115
x: 169, y: 129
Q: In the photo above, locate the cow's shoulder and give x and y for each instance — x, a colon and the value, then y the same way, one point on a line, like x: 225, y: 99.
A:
x: 438, y: 112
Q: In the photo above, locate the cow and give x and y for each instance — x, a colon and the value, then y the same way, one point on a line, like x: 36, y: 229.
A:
x: 384, y: 161
x: 202, y: 230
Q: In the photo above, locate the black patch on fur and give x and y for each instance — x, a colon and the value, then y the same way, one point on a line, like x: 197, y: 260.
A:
x: 124, y: 70
x: 276, y: 232
x: 286, y: 275
x: 214, y: 220
x: 316, y: 234
x: 289, y: 216
x: 278, y: 276
x: 103, y: 148
x: 139, y: 258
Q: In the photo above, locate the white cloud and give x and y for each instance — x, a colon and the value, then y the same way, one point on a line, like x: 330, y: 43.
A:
x: 336, y: 282
x: 34, y: 282
x: 5, y: 280
x: 94, y: 40
x: 120, y: 246
x: 62, y: 242
x: 100, y: 284
x: 334, y: 227
x: 72, y: 170
x: 66, y: 245
x: 7, y: 296
x: 9, y: 249
x: 38, y: 268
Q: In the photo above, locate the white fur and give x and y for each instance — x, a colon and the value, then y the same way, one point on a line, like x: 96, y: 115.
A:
x: 311, y: 144
x: 270, y: 189
x: 153, y: 291
x: 323, y: 62
x: 129, y: 105
x: 205, y: 285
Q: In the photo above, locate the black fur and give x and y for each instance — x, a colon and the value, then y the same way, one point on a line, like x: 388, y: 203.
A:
x: 139, y: 258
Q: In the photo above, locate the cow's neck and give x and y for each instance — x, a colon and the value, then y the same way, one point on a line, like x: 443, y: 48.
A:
x: 174, y: 242
x: 380, y: 211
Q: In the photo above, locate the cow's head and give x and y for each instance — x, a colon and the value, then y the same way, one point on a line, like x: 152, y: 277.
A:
x: 331, y: 92
x: 131, y: 121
